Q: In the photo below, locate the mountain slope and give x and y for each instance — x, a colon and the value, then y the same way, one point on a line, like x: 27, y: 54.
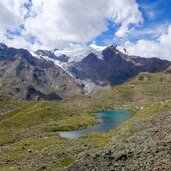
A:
x: 101, y: 68
x: 25, y: 77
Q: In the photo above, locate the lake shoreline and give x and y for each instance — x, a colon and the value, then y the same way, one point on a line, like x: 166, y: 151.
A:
x: 107, y: 120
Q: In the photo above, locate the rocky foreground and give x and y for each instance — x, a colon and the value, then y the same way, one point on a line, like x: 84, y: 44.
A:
x: 148, y: 149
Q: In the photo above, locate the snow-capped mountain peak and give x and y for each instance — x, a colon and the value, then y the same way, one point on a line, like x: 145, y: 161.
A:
x: 79, y: 53
x: 76, y: 53
x: 98, y: 48
x: 91, y: 67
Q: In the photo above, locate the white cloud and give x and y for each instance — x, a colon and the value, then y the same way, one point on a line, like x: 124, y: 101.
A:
x: 152, y: 48
x: 11, y: 17
x: 11, y: 14
x: 152, y: 31
x: 58, y: 23
x: 127, y: 13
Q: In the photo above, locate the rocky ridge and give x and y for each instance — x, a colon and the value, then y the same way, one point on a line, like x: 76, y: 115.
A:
x: 95, y: 69
x: 23, y: 76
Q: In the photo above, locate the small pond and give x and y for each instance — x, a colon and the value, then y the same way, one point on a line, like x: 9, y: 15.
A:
x: 109, y: 120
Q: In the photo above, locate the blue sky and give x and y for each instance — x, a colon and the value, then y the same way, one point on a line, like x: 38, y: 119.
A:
x: 155, y: 13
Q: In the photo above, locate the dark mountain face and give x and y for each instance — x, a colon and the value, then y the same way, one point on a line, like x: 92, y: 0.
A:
x: 23, y: 76
x: 115, y: 67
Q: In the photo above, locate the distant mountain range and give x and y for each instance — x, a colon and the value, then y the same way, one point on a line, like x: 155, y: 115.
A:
x: 59, y: 73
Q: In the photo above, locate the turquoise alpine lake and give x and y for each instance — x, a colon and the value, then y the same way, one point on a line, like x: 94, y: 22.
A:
x: 108, y: 120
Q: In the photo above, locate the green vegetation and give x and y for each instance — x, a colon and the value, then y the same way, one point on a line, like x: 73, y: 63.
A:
x: 28, y: 130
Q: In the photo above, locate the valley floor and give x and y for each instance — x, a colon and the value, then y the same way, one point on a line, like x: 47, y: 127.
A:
x: 29, y: 139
